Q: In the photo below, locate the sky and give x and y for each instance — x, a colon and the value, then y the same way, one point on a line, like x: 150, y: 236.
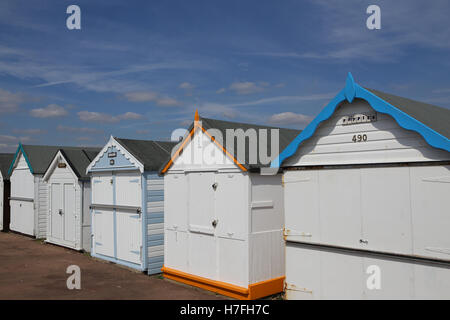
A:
x: 140, y: 69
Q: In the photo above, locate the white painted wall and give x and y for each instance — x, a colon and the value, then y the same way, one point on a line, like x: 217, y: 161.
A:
x: 400, y: 210
x: 23, y: 216
x: 246, y: 246
x: 267, y: 219
x: 324, y: 273
x: 201, y: 154
x: 387, y: 142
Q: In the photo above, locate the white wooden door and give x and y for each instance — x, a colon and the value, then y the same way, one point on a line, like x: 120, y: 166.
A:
x: 202, y: 242
x: 103, y: 218
x: 128, y: 192
x: 128, y: 188
x: 102, y: 188
x: 69, y: 213
x: 103, y: 230
x: 22, y: 216
x: 56, y: 211
x: 129, y: 235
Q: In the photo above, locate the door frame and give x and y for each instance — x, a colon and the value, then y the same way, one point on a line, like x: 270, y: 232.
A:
x: 77, y: 243
x: 143, y: 264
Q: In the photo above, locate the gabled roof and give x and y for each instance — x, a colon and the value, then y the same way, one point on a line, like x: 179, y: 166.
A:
x: 79, y: 159
x: 285, y: 137
x: 434, y: 117
x: 431, y: 122
x: 40, y: 157
x: 152, y: 154
x: 5, y: 162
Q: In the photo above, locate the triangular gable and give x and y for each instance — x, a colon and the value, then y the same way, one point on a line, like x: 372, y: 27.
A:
x: 349, y: 93
x: 56, y: 160
x: 20, y: 151
x: 114, y: 156
x: 197, y: 127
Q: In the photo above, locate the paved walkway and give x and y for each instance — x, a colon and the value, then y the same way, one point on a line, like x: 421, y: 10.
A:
x: 30, y: 269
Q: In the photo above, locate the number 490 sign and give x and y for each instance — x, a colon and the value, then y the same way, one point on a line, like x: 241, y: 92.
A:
x: 359, y: 138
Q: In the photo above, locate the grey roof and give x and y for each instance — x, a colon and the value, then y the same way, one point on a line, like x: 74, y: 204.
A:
x: 152, y: 154
x: 285, y: 137
x: 5, y: 163
x: 79, y: 159
x: 40, y: 157
x: 434, y: 117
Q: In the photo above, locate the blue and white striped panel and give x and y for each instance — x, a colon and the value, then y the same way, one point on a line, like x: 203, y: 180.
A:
x: 155, y: 223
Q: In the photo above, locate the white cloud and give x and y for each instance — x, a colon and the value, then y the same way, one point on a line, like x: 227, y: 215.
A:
x: 50, y: 111
x: 290, y: 118
x: 30, y: 131
x: 167, y: 102
x: 10, y: 102
x: 101, y: 117
x: 144, y: 96
x: 78, y: 129
x: 130, y: 116
x: 221, y: 90
x: 141, y: 96
x: 246, y: 87
x: 9, y: 143
x: 187, y: 86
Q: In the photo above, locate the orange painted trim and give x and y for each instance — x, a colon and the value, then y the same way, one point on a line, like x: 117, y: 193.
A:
x: 224, y: 150
x: 254, y: 291
x: 191, y: 134
x: 177, y: 153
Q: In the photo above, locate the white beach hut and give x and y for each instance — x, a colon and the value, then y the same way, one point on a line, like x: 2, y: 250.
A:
x: 367, y: 186
x: 223, y: 219
x: 69, y: 198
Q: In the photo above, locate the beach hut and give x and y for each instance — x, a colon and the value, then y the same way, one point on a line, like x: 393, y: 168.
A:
x: 29, y: 192
x: 223, y: 214
x: 367, y: 186
x: 5, y: 162
x: 69, y: 198
x: 127, y: 203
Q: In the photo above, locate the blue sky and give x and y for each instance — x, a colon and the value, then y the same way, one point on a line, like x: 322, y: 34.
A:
x: 139, y: 69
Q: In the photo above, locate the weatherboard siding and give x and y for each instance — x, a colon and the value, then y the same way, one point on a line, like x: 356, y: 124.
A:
x: 41, y: 207
x: 387, y: 142
x: 155, y: 222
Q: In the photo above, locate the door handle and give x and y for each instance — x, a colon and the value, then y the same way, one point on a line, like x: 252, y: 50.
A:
x: 214, y: 222
x: 60, y: 212
x: 363, y: 241
x: 214, y: 186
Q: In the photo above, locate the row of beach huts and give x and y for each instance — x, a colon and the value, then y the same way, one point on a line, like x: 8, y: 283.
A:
x: 355, y: 206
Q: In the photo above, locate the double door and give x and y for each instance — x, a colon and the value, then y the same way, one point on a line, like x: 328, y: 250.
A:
x: 218, y: 224
x: 117, y: 219
x: 63, y: 212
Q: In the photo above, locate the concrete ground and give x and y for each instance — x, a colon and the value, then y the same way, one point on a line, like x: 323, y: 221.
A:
x: 31, y: 269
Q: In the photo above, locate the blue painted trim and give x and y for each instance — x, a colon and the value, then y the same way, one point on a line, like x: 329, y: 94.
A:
x: 351, y: 91
x: 118, y: 261
x: 20, y: 148
x: 144, y: 220
x: 114, y: 215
